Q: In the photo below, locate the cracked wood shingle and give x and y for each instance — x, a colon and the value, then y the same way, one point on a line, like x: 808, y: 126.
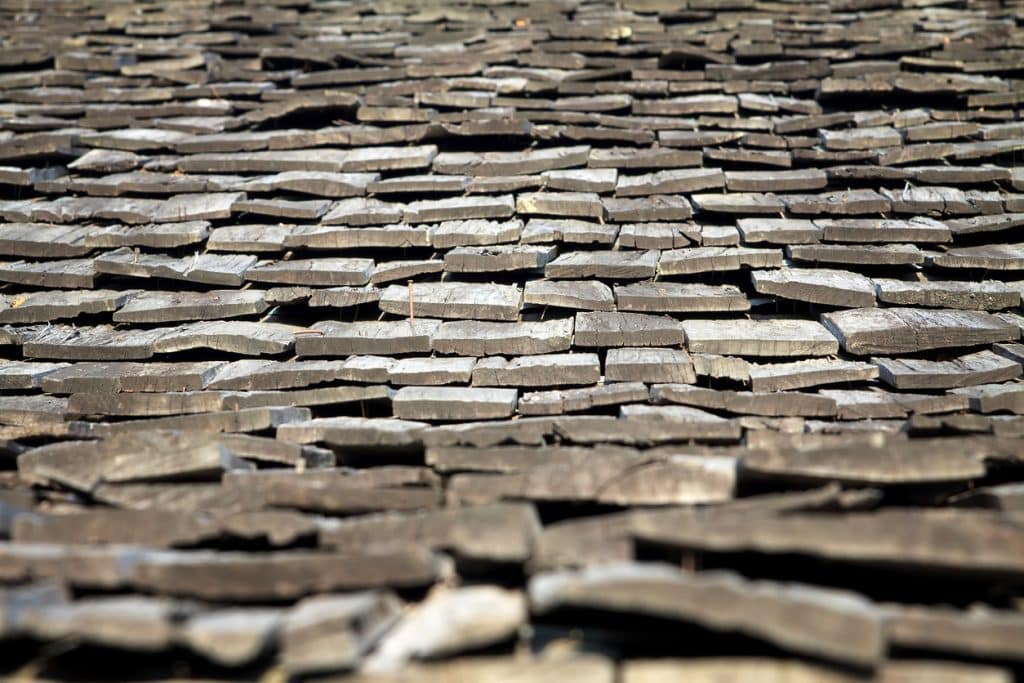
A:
x: 767, y: 337
x: 865, y: 331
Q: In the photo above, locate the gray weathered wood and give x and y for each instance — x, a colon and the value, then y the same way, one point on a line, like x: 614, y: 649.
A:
x: 919, y: 229
x: 865, y: 331
x: 880, y: 463
x: 561, y: 401
x: 607, y: 265
x: 711, y: 259
x: 584, y: 295
x: 332, y: 632
x: 861, y: 255
x: 510, y: 163
x: 449, y: 300
x: 249, y: 238
x: 598, y: 329
x: 679, y: 297
x: 816, y: 285
x: 354, y: 431
x: 782, y: 231
x: 745, y: 402
x: 989, y: 295
x: 649, y: 365
x: 674, y: 181
x: 983, y: 367
x: 149, y: 456
x: 776, y: 613
x: 431, y: 371
x: 473, y: 338
x: 343, y: 339
x: 658, y: 207
x: 39, y: 307
x: 472, y: 233
x: 241, y: 337
x: 770, y: 337
x: 498, y: 258
x: 131, y: 377
x: 538, y: 371
x: 313, y: 272
x: 164, y: 307
x: 450, y: 622
x: 984, y: 541
x: 802, y: 374
x: 453, y: 403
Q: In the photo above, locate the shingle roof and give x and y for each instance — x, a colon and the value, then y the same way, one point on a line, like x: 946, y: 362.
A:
x: 488, y: 340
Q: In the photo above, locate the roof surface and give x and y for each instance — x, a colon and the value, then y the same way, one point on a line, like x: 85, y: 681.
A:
x: 489, y: 341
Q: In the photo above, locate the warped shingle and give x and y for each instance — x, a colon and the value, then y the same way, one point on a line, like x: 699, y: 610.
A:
x: 626, y: 329
x: 919, y: 229
x: 261, y: 375
x: 610, y: 475
x: 745, y: 402
x: 39, y: 240
x: 675, y: 181
x: 710, y: 259
x: 845, y: 627
x: 652, y: 208
x: 859, y: 255
x: 511, y: 528
x: 586, y: 295
x: 638, y: 364
x: 431, y: 371
x: 448, y: 300
x: 538, y: 371
x: 163, y: 307
x: 66, y: 274
x: 215, y: 576
x: 89, y: 343
x: 39, y: 307
x: 987, y: 256
x: 498, y: 259
x: 354, y: 431
x: 130, y: 377
x: 343, y: 339
x: 241, y: 337
x: 472, y: 338
x: 134, y: 457
x: 578, y: 204
x: 156, y: 236
x: 453, y: 403
x: 816, y: 285
x: 214, y: 269
x: 983, y: 367
x: 865, y: 331
x: 317, y: 183
x: 455, y: 208
x: 568, y: 230
x: 510, y: 163
x: 924, y: 460
x: 679, y: 297
x: 979, y: 540
x: 759, y: 337
x: 782, y: 231
x: 343, y: 237
x: 989, y: 295
x: 608, y: 265
x: 802, y: 374
x: 313, y: 272
x: 471, y: 233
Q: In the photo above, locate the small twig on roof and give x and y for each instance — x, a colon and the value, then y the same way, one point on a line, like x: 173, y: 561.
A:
x: 412, y: 317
